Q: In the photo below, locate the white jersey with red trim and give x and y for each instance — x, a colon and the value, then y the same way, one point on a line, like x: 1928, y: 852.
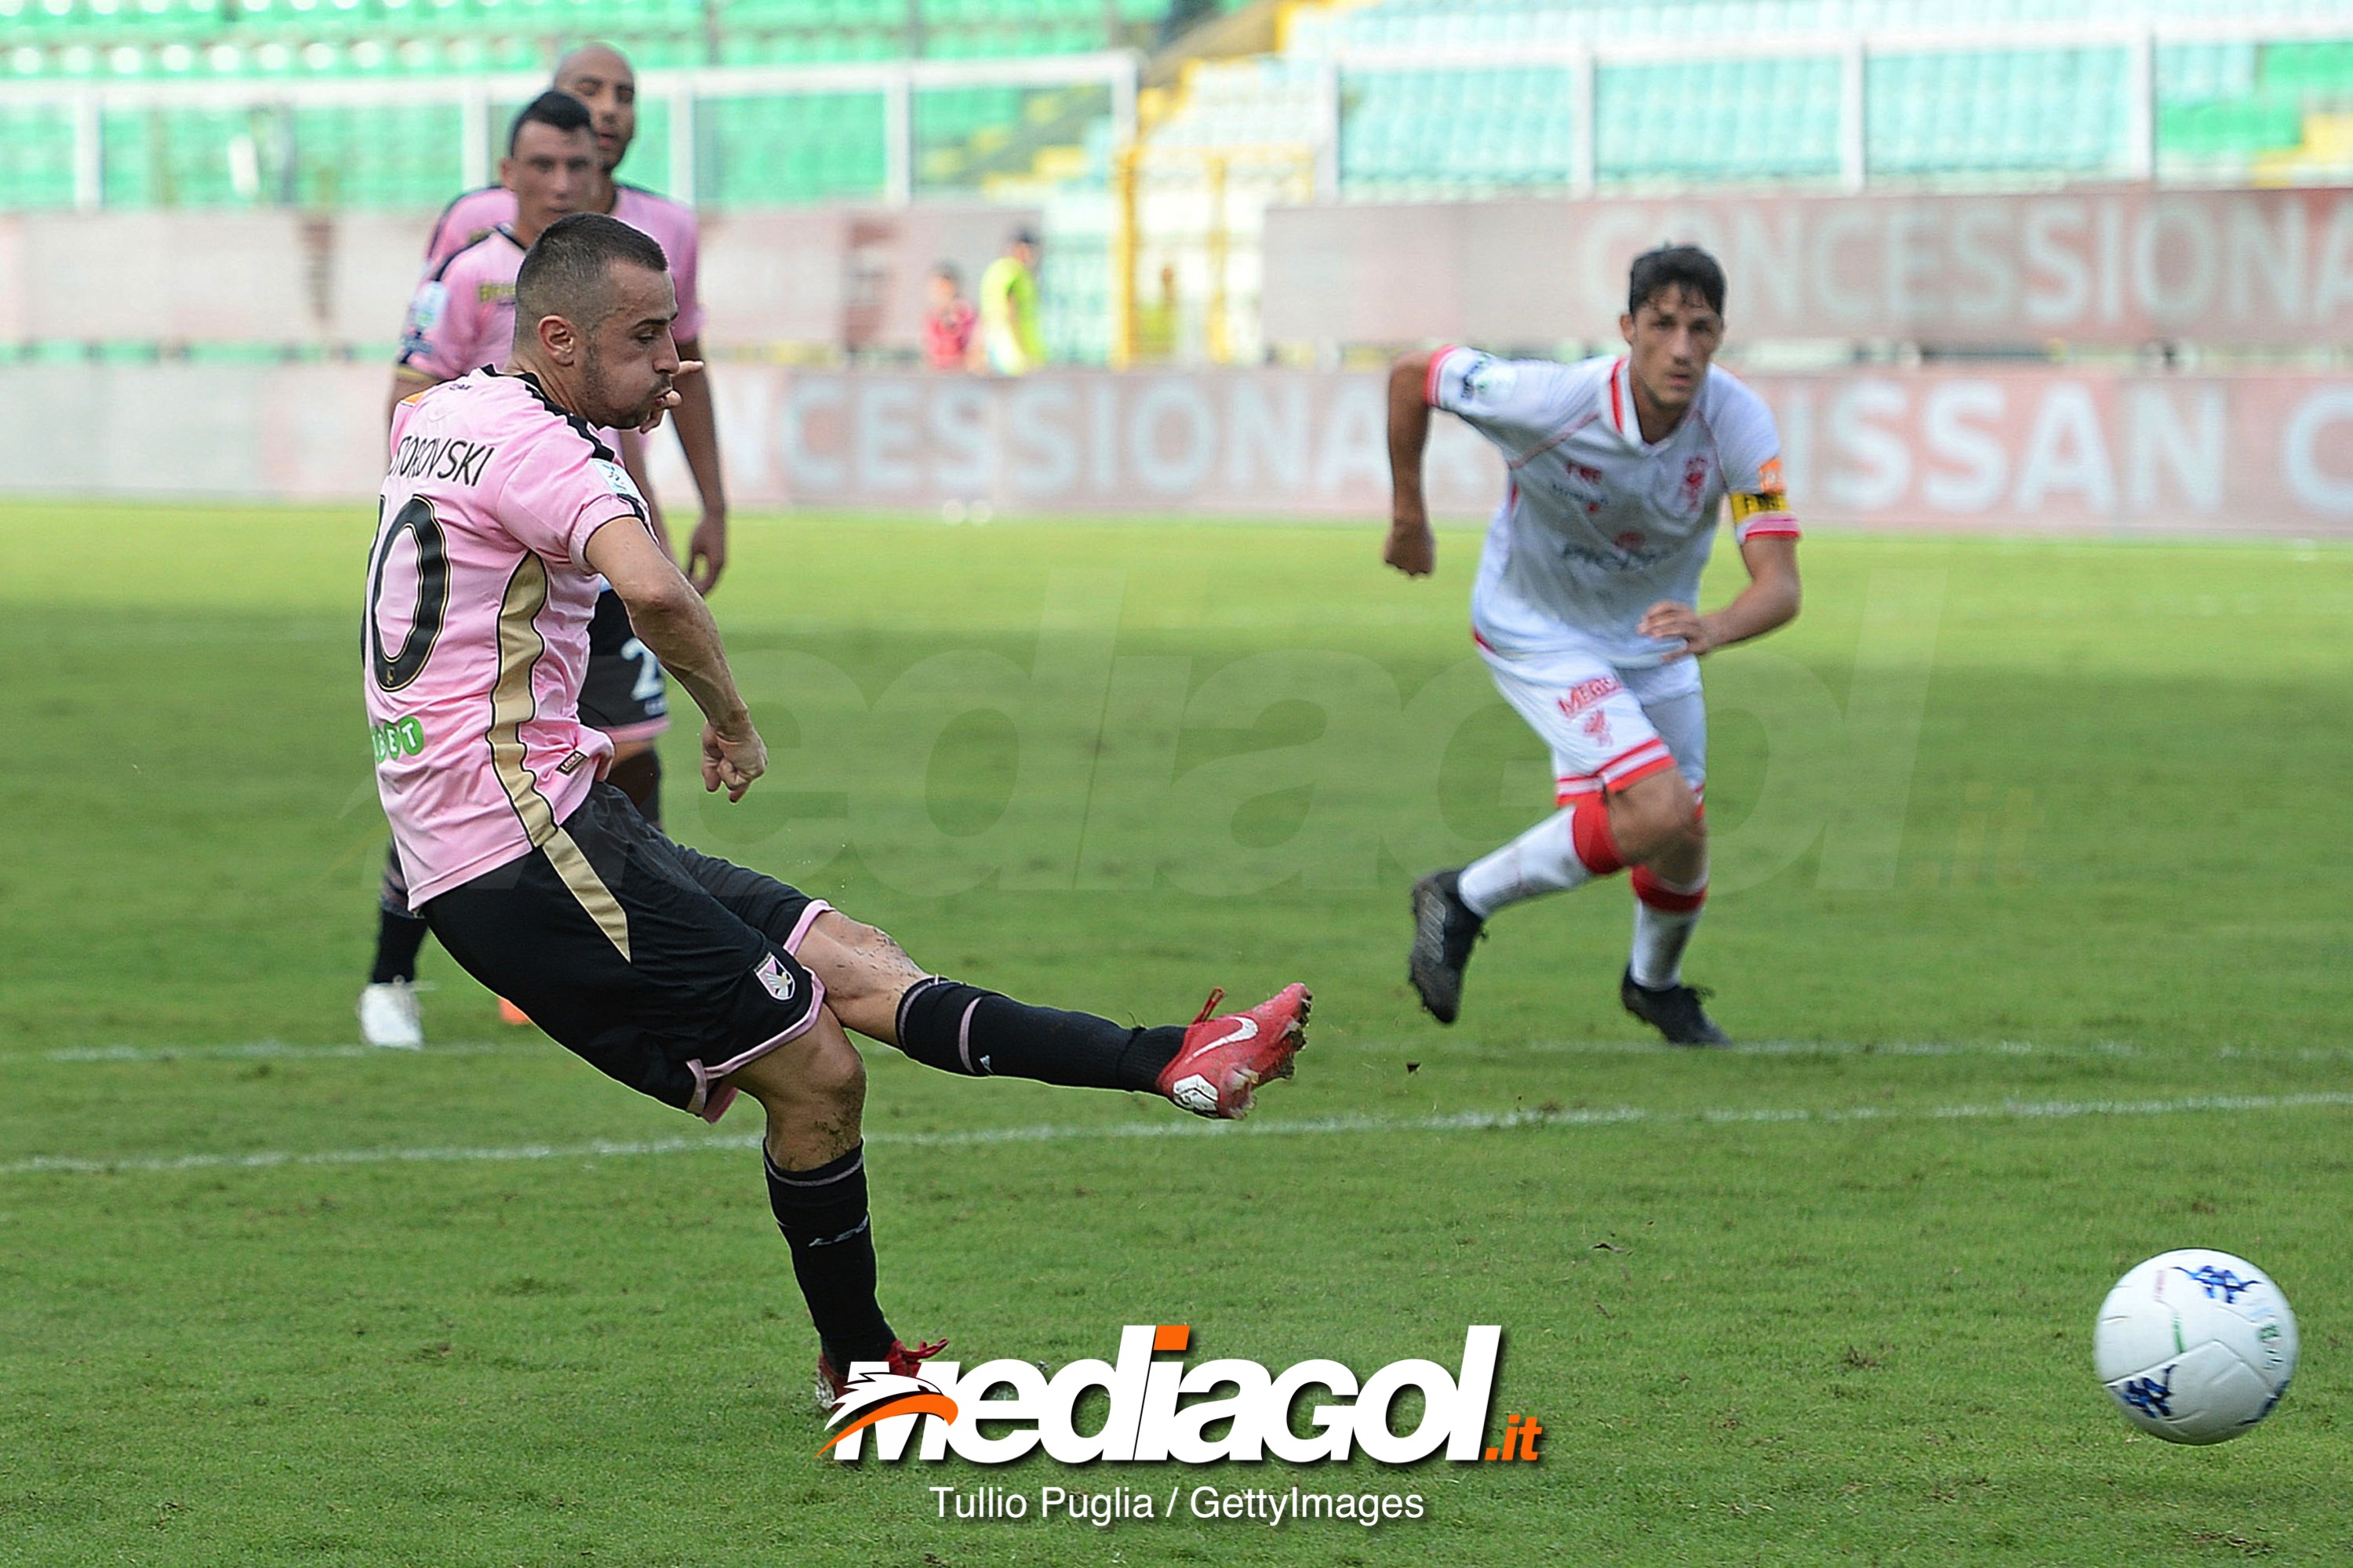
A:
x: 1597, y: 524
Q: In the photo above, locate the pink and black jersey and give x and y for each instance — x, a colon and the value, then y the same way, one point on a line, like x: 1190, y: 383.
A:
x: 479, y: 599
x: 1598, y: 525
x: 462, y: 316
x: 669, y: 224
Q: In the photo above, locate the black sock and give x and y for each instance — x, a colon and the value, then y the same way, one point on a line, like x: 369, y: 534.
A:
x: 398, y: 939
x: 823, y: 1215
x: 961, y: 1028
x: 640, y: 778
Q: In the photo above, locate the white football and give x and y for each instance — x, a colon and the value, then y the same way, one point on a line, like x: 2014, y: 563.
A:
x: 2196, y: 1345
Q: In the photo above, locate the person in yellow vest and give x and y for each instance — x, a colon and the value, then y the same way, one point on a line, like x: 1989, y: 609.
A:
x: 1155, y: 321
x: 1010, y: 342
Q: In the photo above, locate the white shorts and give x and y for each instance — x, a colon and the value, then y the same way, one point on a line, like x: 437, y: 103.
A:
x: 1607, y: 726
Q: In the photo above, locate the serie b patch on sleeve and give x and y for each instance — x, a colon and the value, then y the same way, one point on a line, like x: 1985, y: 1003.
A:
x: 425, y: 309
x: 617, y: 480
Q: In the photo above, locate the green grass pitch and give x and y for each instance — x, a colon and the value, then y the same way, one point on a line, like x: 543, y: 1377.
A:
x: 2030, y: 908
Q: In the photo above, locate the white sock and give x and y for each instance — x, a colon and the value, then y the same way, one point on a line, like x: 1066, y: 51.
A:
x: 1542, y: 860
x: 1659, y: 942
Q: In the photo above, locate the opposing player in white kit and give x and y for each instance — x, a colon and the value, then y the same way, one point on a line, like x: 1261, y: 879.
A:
x: 1586, y: 611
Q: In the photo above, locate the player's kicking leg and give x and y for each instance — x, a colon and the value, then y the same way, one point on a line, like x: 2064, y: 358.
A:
x: 1212, y: 1066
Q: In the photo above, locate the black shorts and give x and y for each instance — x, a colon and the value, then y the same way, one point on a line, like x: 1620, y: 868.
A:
x: 661, y: 967
x: 622, y: 693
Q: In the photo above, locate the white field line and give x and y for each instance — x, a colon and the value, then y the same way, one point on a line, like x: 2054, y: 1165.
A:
x: 1462, y: 1121
x: 2102, y: 1050
x: 272, y: 1050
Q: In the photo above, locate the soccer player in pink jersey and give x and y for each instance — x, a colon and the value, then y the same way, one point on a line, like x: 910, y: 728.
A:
x: 601, y: 76
x: 462, y: 315
x: 1586, y: 611
x: 683, y: 977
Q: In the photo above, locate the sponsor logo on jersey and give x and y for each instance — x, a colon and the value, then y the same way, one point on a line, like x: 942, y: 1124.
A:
x: 1615, y: 559
x: 1580, y: 482
x: 1585, y: 694
x: 1695, y: 485
x: 1768, y: 474
x: 491, y: 291
x: 1158, y: 1410
x: 403, y: 737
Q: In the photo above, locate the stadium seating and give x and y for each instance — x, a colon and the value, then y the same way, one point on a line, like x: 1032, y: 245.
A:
x: 168, y: 40
x: 1408, y: 128
x: 780, y: 150
x: 1415, y: 130
x: 770, y: 150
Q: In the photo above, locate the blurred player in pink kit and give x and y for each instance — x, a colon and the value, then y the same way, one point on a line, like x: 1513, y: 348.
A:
x: 1586, y: 611
x: 682, y: 975
x: 601, y: 76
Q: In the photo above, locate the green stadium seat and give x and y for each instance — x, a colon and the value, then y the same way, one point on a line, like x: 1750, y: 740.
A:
x: 37, y: 157
x: 2229, y: 129
x: 2047, y: 111
x: 2321, y: 71
x: 765, y: 151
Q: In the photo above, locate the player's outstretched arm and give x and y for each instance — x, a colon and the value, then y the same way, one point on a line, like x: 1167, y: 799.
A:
x: 1412, y: 549
x: 670, y: 618
x: 1770, y: 600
